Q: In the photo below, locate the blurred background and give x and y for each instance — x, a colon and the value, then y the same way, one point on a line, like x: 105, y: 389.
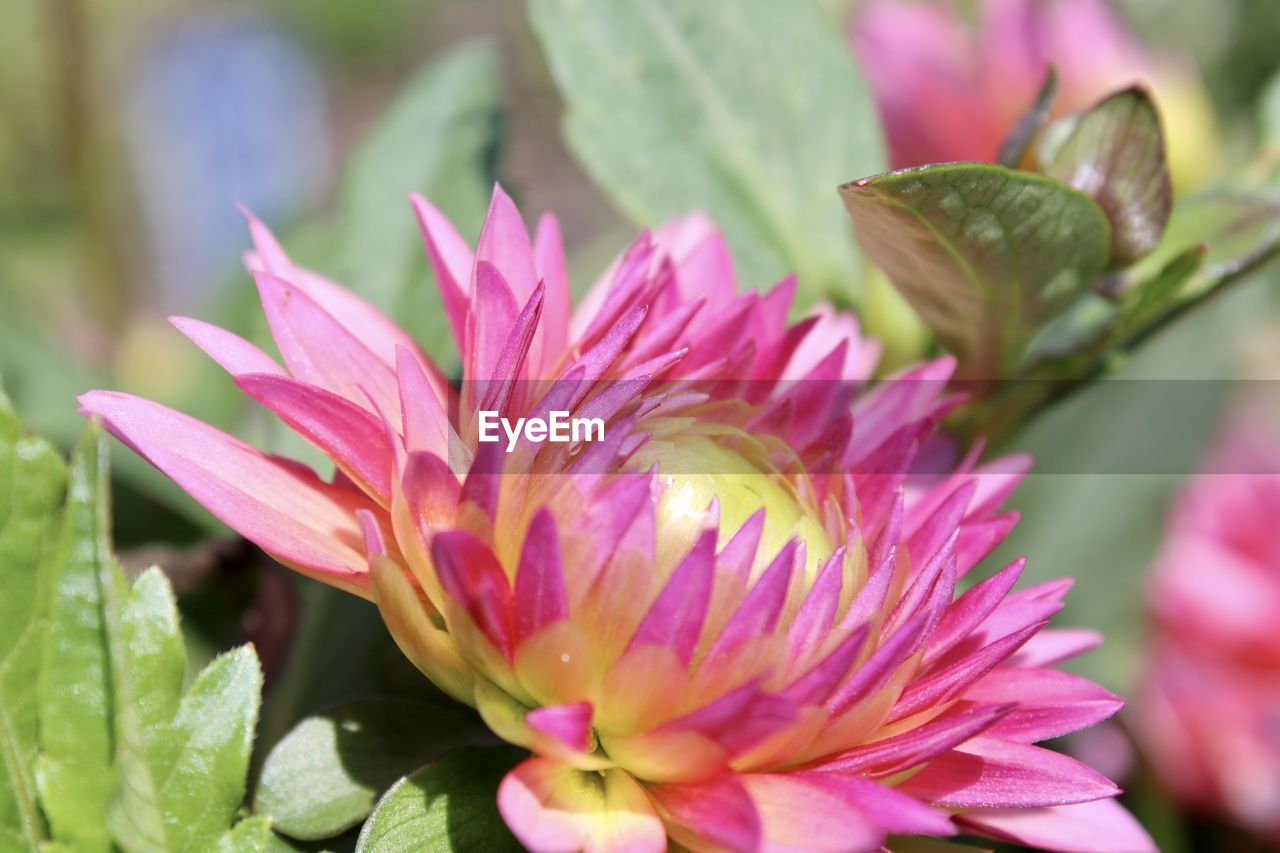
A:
x: 130, y: 130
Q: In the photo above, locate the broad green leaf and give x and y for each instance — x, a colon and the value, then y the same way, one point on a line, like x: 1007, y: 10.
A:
x: 752, y: 111
x: 1115, y: 154
x: 74, y: 772
x: 326, y: 774
x: 437, y: 138
x: 449, y: 805
x: 251, y: 835
x: 32, y: 481
x: 987, y: 255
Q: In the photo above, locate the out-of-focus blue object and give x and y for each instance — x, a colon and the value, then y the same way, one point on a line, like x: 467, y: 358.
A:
x: 222, y: 110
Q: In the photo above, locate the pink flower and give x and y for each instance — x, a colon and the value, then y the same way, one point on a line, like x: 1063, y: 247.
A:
x: 732, y: 621
x: 949, y: 93
x: 1210, y: 710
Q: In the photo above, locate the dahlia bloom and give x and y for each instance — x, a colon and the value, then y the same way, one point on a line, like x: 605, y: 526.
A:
x: 1210, y: 710
x: 946, y: 93
x: 731, y: 623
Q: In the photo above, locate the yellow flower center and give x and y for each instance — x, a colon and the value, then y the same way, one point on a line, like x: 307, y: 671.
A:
x: 699, y: 462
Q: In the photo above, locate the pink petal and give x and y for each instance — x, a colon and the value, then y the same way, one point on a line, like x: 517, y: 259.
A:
x: 491, y: 315
x: 1102, y: 826
x: 941, y: 686
x: 553, y: 807
x: 540, y: 597
x: 343, y: 431
x: 740, y: 719
x: 425, y: 423
x: 818, y: 610
x: 816, y: 685
x: 504, y: 243
x: 1054, y: 645
x: 675, y: 618
x: 472, y: 576
x: 1049, y: 703
x: 916, y: 746
x: 989, y: 773
x: 233, y: 353
x: 369, y: 325
x: 893, y: 812
x: 451, y: 262
x: 797, y: 814
x: 320, y: 350
x: 968, y: 611
x: 281, y: 507
x: 759, y: 612
x: 875, y: 673
x: 718, y: 811
x: 569, y: 724
x: 548, y: 259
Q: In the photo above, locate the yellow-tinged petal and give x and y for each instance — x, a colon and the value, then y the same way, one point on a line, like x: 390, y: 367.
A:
x: 407, y: 615
x: 551, y: 806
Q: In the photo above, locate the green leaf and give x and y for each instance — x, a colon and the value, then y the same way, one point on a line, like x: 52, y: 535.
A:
x: 438, y: 138
x: 1115, y: 153
x: 183, y: 778
x: 32, y: 481
x: 986, y: 255
x: 326, y: 774
x: 251, y: 835
x: 449, y: 805
x: 752, y: 111
x: 74, y: 772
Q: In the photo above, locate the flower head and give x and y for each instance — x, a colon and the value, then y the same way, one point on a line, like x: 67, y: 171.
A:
x: 947, y: 94
x: 1210, y: 708
x: 732, y: 619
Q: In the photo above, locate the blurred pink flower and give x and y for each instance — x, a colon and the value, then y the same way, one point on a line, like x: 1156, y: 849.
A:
x: 949, y: 92
x: 733, y: 621
x: 1210, y: 710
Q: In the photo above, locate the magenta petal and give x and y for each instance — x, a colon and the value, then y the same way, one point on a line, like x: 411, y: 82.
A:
x: 491, y: 315
x: 818, y: 610
x: 1050, y: 703
x: 232, y: 352
x: 343, y: 431
x: 1102, y: 826
x: 759, y: 612
x: 815, y: 686
x: 989, y: 773
x: 719, y: 811
x: 902, y: 752
x: 946, y: 684
x: 968, y: 611
x: 282, y: 507
x: 472, y: 576
x: 675, y: 618
x: 740, y: 719
x: 894, y: 812
x: 569, y: 724
x: 880, y: 667
x: 540, y: 597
